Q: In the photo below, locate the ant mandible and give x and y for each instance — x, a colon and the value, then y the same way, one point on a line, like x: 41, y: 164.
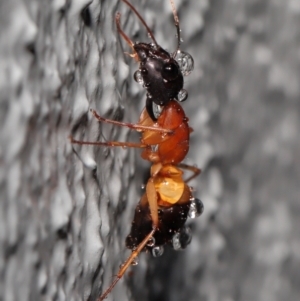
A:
x: 164, y: 208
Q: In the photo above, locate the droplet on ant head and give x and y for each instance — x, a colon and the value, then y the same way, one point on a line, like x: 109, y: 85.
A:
x: 143, y: 186
x: 185, y: 62
x: 151, y: 242
x: 181, y: 239
x: 196, y: 208
x: 182, y: 95
x: 157, y: 251
x: 138, y: 77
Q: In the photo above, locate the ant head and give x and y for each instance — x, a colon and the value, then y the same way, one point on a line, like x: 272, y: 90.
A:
x: 159, y: 73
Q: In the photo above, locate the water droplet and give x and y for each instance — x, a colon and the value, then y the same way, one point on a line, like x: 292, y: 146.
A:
x: 156, y: 110
x: 196, y: 208
x: 135, y: 261
x: 138, y: 77
x: 151, y: 242
x: 185, y: 62
x: 181, y: 239
x: 143, y: 186
x: 154, y: 148
x: 176, y: 242
x: 157, y: 251
x: 182, y: 95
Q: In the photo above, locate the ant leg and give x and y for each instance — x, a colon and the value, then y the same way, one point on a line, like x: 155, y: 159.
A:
x: 127, y: 263
x: 132, y: 126
x: 109, y: 143
x: 191, y: 168
x: 152, y: 200
x: 121, y: 32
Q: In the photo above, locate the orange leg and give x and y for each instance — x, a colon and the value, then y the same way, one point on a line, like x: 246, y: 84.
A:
x: 132, y: 126
x: 127, y: 264
x: 109, y: 143
x: 191, y: 168
x: 152, y: 200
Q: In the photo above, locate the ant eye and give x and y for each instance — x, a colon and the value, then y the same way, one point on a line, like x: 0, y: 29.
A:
x: 170, y: 71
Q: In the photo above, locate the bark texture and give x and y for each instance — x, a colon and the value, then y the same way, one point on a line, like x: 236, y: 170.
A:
x: 65, y: 210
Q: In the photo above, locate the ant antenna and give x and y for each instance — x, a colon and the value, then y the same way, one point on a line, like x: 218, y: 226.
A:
x: 121, y: 32
x: 142, y: 20
x: 176, y: 19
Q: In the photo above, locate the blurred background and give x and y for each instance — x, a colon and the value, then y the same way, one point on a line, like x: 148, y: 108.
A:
x: 65, y: 210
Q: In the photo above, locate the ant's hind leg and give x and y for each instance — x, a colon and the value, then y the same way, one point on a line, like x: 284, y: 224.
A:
x: 127, y: 264
x: 152, y: 200
x: 191, y: 168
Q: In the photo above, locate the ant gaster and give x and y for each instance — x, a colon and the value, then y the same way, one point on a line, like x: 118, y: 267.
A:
x: 168, y: 201
x: 160, y: 72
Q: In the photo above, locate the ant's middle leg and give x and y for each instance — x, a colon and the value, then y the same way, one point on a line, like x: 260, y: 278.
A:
x: 191, y: 168
x: 109, y: 143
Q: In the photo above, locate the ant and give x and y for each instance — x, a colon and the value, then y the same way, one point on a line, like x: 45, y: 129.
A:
x: 168, y: 201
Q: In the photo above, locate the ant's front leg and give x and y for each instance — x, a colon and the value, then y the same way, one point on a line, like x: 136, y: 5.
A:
x: 137, y: 127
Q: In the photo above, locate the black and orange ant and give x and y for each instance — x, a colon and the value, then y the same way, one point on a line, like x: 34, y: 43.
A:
x: 161, y: 214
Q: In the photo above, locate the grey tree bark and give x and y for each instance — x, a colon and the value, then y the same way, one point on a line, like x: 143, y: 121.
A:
x: 65, y: 210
